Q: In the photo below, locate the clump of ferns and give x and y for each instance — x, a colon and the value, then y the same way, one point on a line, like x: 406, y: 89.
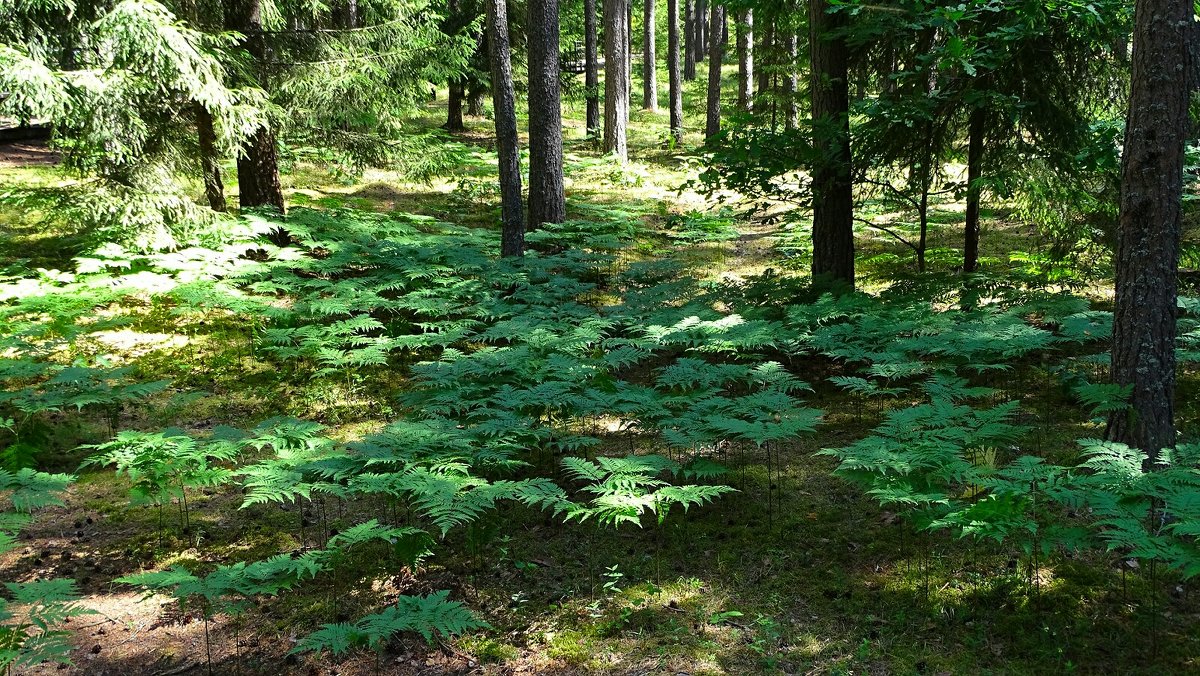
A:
x: 164, y: 466
x: 234, y: 588
x: 33, y: 635
x: 624, y: 490
x: 924, y: 457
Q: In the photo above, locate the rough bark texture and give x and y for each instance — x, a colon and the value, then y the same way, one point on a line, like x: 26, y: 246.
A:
x: 975, y: 131
x: 258, y: 160
x: 475, y: 93
x: 675, y: 73
x: 716, y: 54
x: 616, y: 78
x: 512, y: 237
x: 763, y: 56
x: 629, y: 54
x: 833, y: 194
x: 689, y: 40
x: 347, y: 15
x: 546, y: 198
x: 745, y: 53
x: 1143, y: 353
x: 791, y: 114
x: 456, y: 87
x: 210, y: 165
x: 454, y: 107
x: 591, y: 68
x: 649, y: 58
x: 701, y: 39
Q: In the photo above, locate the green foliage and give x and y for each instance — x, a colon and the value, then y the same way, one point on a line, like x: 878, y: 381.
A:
x: 229, y: 588
x: 163, y: 465
x: 430, y: 616
x: 28, y: 489
x: 624, y: 489
x: 35, y: 635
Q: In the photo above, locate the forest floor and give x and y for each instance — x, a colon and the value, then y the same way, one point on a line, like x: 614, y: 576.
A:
x: 797, y: 572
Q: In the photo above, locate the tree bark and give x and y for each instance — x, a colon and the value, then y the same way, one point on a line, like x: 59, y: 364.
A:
x: 591, y: 68
x: 766, y: 41
x: 745, y: 50
x: 649, y: 58
x: 700, y: 41
x: 675, y: 77
x: 616, y: 78
x: 689, y: 40
x: 454, y: 107
x: 475, y: 93
x: 1144, y: 317
x: 629, y: 55
x: 512, y: 235
x: 547, y: 203
x: 210, y: 165
x: 791, y: 82
x: 716, y: 54
x: 833, y: 190
x: 977, y: 127
x: 456, y: 87
x: 258, y: 159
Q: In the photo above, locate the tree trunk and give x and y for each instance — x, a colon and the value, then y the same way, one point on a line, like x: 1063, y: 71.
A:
x: 210, y: 166
x: 1144, y: 316
x: 791, y: 83
x: 546, y: 200
x: 454, y: 107
x: 512, y: 236
x: 475, y: 93
x: 649, y: 58
x: 457, y: 87
x: 716, y: 54
x: 591, y: 68
x: 766, y: 42
x: 689, y: 40
x: 833, y: 190
x: 700, y: 41
x: 975, y: 131
x: 745, y: 50
x: 629, y: 55
x: 616, y: 82
x: 258, y: 160
x: 676, y: 78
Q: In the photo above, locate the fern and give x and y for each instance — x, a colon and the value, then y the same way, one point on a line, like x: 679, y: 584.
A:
x: 430, y: 616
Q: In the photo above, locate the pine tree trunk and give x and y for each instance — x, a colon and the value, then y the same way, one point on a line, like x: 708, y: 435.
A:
x: 258, y: 160
x: 649, y: 58
x: 475, y: 93
x: 629, y: 55
x: 676, y: 76
x: 977, y: 126
x: 689, y: 40
x: 454, y: 107
x: 206, y: 135
x: 591, y: 68
x: 616, y: 82
x: 1144, y: 317
x: 791, y: 83
x: 745, y: 53
x: 766, y: 60
x: 546, y: 198
x: 716, y: 54
x: 210, y: 165
x: 700, y: 41
x: 512, y: 237
x: 456, y: 86
x: 833, y: 190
